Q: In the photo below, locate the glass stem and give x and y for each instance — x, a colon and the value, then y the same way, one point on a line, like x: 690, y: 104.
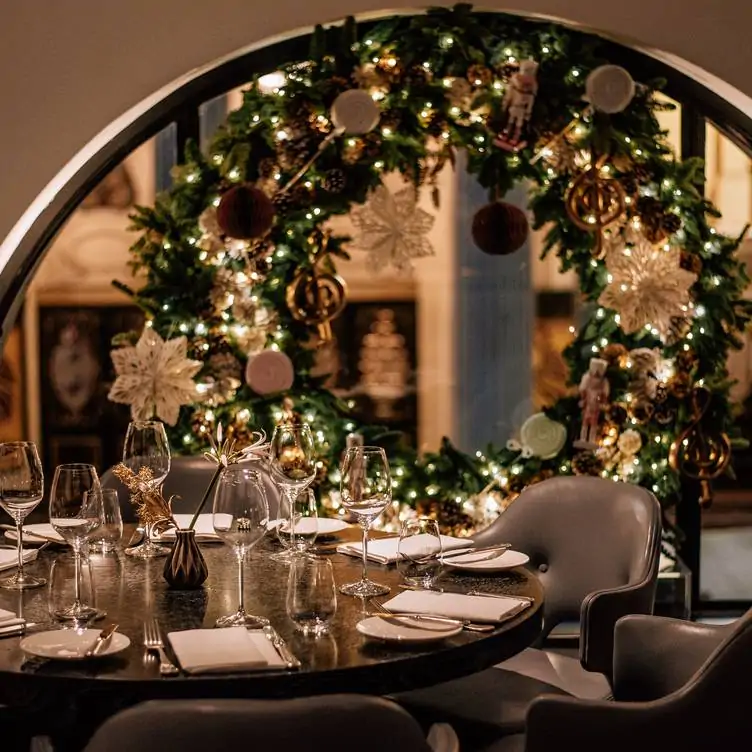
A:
x: 291, y: 500
x: 19, y: 548
x: 364, y: 575
x: 241, y: 584
x: 77, y: 578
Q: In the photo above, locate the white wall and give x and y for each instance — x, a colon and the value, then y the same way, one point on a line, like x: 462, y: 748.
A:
x: 68, y: 69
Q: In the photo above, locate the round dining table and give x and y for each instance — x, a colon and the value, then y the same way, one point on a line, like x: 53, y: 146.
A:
x: 61, y: 695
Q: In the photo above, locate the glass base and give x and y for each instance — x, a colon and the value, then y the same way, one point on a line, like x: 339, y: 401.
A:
x: 147, y: 550
x: 19, y: 581
x: 364, y: 589
x: 242, y: 619
x: 287, y: 555
x: 80, y: 613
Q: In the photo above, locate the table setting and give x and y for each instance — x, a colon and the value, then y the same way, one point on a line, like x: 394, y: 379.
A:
x: 245, y: 602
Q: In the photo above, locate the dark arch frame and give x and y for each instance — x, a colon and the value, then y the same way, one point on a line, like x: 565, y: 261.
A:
x: 699, y: 105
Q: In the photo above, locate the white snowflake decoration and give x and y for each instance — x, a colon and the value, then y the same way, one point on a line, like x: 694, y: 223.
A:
x: 392, y: 228
x: 154, y: 377
x: 646, y: 284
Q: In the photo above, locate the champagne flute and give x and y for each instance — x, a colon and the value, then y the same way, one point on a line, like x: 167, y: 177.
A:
x: 146, y: 445
x: 366, y: 490
x: 240, y: 517
x: 21, y: 490
x: 292, y: 463
x: 75, y: 512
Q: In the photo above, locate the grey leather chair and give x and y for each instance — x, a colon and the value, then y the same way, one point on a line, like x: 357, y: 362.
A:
x: 676, y: 684
x: 595, y: 544
x: 312, y: 724
x: 187, y: 481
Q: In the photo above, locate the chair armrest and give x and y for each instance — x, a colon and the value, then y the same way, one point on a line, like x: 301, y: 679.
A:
x: 654, y: 656
x: 598, y: 616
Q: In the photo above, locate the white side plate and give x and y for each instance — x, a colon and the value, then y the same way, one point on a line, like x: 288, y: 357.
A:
x: 477, y: 563
x: 70, y: 645
x: 406, y: 630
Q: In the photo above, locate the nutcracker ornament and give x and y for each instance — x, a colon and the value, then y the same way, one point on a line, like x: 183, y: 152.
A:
x: 519, y: 99
x: 594, y: 393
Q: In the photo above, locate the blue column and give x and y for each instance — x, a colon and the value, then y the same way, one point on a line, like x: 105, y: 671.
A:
x: 494, y: 329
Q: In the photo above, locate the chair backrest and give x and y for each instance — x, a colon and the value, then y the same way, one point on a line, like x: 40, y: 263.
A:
x: 187, y: 481
x: 583, y: 535
x: 312, y: 724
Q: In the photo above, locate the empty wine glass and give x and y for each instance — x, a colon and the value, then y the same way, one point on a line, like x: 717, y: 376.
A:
x: 240, y: 517
x: 107, y: 536
x: 419, y: 552
x: 75, y: 512
x: 146, y: 445
x: 301, y: 535
x: 366, y: 490
x: 21, y: 490
x: 292, y: 463
x: 311, y: 594
x: 71, y: 580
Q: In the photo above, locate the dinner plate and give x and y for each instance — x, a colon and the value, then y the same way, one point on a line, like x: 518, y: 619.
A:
x: 406, y: 630
x: 321, y: 526
x: 40, y: 532
x: 477, y: 562
x: 70, y: 644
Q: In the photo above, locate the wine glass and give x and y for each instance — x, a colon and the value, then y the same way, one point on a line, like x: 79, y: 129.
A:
x: 311, y: 594
x: 71, y: 581
x: 146, y: 445
x: 366, y: 490
x: 75, y: 512
x: 419, y: 552
x: 106, y: 538
x: 240, y: 517
x: 301, y: 535
x: 21, y: 489
x: 292, y: 464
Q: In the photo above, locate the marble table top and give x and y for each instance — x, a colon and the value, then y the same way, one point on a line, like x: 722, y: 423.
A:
x: 132, y: 590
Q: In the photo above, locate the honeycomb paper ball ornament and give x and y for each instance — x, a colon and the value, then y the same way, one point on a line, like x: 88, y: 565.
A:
x: 245, y: 212
x: 355, y: 112
x: 500, y: 228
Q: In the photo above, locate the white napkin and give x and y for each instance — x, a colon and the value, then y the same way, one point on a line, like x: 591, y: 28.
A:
x: 216, y: 651
x: 204, y: 527
x: 384, y: 550
x: 457, y: 606
x: 8, y: 619
x: 9, y: 560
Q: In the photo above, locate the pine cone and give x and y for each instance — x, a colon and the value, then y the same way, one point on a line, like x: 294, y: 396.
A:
x: 630, y: 184
x: 613, y: 353
x: 642, y: 174
x: 587, y: 463
x: 334, y: 181
x: 686, y: 360
x: 479, y: 75
x: 351, y: 154
x: 617, y: 413
x: 507, y: 70
x: 642, y: 412
x: 302, y: 196
x: 416, y: 75
x: 691, y: 262
x: 664, y: 415
x: 284, y: 203
x: 680, y: 385
x: 372, y: 145
x: 671, y: 223
x: 391, y: 119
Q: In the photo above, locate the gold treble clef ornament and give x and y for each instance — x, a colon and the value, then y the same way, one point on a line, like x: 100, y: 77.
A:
x: 697, y: 453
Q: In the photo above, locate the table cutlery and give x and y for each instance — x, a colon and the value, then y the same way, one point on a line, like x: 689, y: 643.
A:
x: 470, y: 626
x: 284, y: 652
x: 153, y: 642
x: 458, y: 591
x: 31, y: 538
x: 492, y: 552
x: 102, y: 640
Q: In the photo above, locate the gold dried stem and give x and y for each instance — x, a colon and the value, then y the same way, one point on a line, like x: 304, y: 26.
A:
x: 151, y: 506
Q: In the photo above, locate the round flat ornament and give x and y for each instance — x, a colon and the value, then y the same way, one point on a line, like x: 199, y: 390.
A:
x: 545, y: 437
x: 270, y: 371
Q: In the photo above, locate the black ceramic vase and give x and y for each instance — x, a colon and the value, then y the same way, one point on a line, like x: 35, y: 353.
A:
x: 185, y: 567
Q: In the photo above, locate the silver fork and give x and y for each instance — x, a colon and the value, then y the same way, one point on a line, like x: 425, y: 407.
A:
x: 153, y: 641
x: 470, y: 626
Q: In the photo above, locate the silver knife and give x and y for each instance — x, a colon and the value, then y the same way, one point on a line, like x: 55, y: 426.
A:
x: 102, y: 641
x: 284, y: 652
x: 439, y: 589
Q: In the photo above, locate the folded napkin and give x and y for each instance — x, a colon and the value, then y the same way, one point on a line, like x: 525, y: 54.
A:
x: 9, y: 560
x: 457, y: 606
x: 384, y: 550
x: 229, y: 650
x: 204, y: 527
x: 8, y: 620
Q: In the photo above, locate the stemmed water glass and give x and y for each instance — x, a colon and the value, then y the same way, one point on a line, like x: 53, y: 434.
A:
x: 292, y: 462
x: 75, y: 512
x: 366, y: 490
x: 240, y: 518
x: 146, y: 445
x: 21, y: 489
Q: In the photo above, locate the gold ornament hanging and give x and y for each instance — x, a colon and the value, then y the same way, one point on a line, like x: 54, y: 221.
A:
x: 315, y: 297
x: 697, y: 453
x: 594, y: 202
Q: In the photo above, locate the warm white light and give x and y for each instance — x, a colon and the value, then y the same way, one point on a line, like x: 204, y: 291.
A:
x: 271, y: 81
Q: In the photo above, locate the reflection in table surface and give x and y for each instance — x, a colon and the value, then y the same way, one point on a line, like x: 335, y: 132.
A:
x: 130, y: 590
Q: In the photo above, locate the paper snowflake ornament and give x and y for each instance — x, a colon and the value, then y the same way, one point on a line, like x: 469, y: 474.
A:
x: 646, y: 284
x: 155, y: 377
x: 392, y: 228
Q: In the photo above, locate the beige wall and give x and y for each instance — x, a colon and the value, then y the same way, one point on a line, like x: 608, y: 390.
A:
x: 68, y: 69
